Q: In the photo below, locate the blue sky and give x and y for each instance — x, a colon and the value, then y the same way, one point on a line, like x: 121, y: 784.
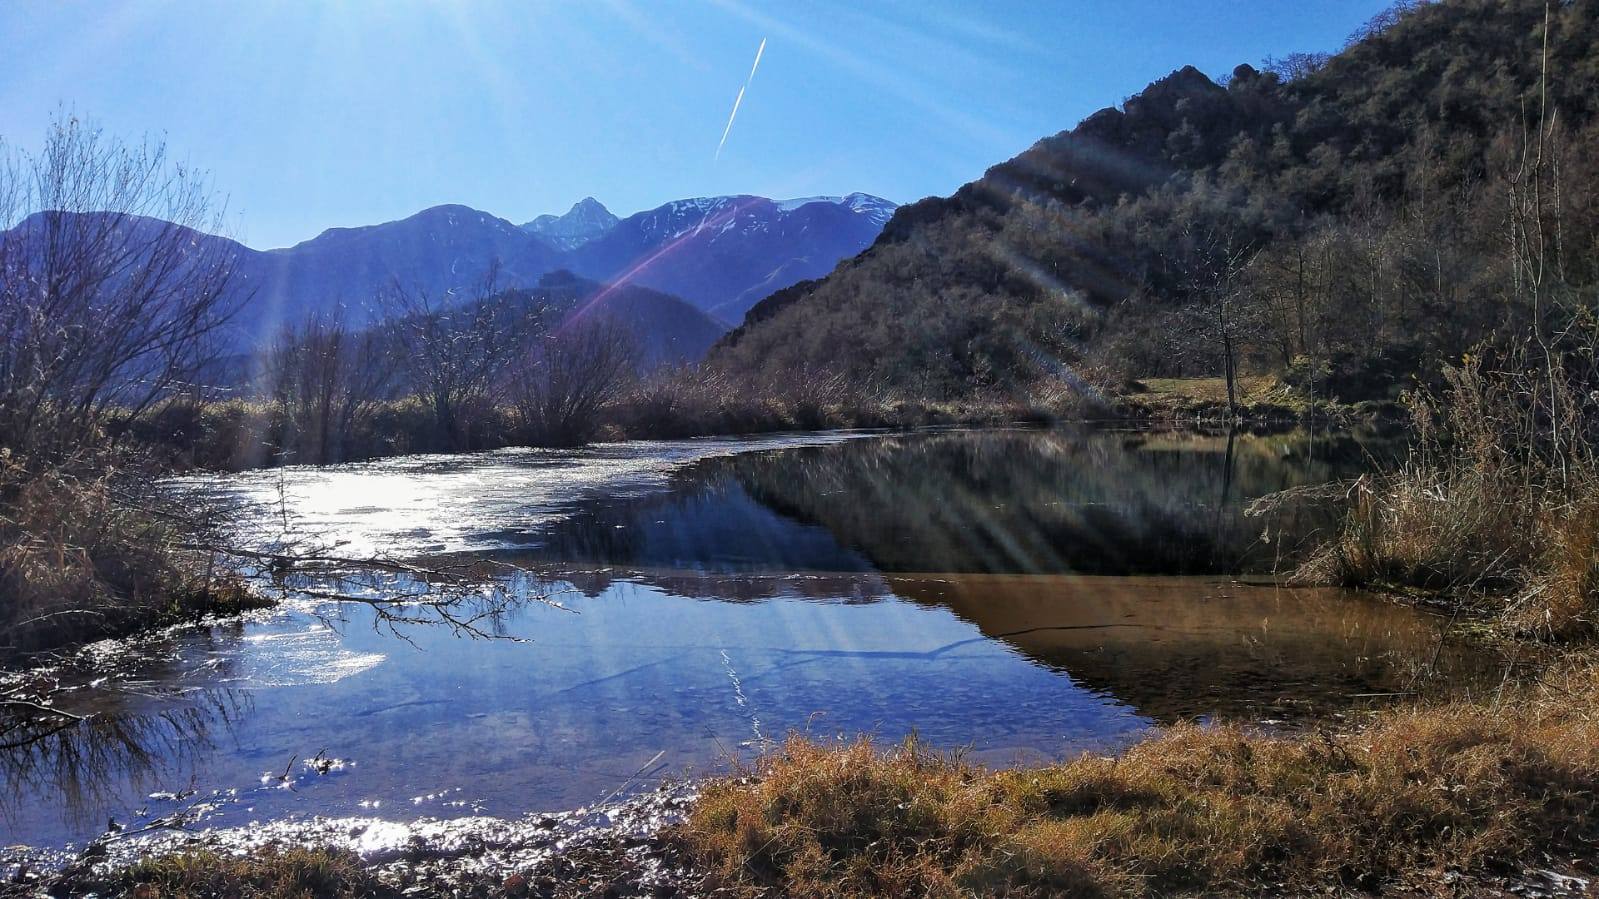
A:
x: 310, y: 115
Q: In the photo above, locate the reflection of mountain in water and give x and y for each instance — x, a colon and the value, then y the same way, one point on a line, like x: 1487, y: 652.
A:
x: 1015, y: 501
x: 1176, y: 648
x: 1053, y: 501
x: 1023, y: 523
x: 707, y: 537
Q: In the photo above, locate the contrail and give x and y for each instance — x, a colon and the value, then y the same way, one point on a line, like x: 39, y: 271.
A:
x: 740, y: 98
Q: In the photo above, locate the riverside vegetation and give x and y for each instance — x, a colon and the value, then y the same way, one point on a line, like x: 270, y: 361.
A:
x: 1395, y: 216
x: 1490, y: 516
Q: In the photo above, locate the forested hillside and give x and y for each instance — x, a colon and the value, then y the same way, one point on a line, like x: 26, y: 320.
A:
x: 1344, y: 221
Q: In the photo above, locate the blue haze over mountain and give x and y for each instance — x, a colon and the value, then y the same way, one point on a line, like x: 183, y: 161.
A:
x: 719, y: 254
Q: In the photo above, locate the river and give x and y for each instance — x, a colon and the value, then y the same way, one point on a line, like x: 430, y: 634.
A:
x: 667, y: 609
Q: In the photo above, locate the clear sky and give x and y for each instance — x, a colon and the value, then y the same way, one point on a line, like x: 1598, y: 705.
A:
x: 317, y: 113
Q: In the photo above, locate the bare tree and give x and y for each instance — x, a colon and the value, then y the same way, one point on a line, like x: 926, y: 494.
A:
x: 566, y: 378
x: 1537, y: 232
x: 327, y: 379
x: 1210, y: 260
x: 110, y: 297
x: 456, y: 350
x: 1295, y: 66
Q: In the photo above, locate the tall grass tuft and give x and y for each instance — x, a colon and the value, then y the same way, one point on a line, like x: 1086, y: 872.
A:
x: 85, y: 554
x: 1498, y: 503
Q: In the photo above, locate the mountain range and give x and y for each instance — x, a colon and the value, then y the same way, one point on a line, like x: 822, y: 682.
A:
x: 669, y: 330
x: 719, y: 254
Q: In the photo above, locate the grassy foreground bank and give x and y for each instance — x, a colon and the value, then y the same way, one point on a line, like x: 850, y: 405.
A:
x: 1195, y: 810
x: 1426, y: 800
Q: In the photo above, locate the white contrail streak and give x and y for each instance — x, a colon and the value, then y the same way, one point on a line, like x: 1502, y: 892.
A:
x: 740, y: 99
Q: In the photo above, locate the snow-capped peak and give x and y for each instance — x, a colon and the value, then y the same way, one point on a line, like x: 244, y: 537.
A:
x: 587, y: 219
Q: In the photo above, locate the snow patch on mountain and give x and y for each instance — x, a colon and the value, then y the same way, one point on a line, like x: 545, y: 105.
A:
x: 877, y: 209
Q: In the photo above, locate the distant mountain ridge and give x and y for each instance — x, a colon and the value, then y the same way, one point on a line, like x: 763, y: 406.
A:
x: 720, y: 254
x: 724, y: 254
x: 442, y: 251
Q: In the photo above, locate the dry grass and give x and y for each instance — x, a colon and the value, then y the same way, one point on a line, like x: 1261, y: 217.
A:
x: 704, y: 401
x: 1496, y: 508
x: 1442, y: 529
x: 1260, y: 398
x: 1562, y: 597
x: 1251, y: 388
x: 1194, y: 810
x: 79, y: 560
x: 292, y: 873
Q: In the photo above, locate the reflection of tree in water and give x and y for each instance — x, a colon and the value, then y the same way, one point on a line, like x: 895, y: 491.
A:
x: 1051, y: 501
x: 88, y: 765
x: 705, y: 537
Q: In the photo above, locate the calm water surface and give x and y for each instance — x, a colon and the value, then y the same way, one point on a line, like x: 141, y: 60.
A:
x: 1025, y: 594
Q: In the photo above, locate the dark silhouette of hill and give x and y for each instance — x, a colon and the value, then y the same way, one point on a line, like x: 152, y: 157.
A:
x: 1340, y: 214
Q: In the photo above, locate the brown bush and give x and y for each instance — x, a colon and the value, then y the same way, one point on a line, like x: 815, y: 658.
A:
x: 81, y: 558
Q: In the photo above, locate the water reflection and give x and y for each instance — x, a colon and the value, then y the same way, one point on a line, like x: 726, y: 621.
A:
x: 94, y: 772
x: 954, y: 583
x: 1017, y: 501
x: 1181, y: 648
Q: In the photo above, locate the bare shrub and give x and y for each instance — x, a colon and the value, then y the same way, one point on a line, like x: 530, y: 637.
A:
x: 110, y: 303
x: 85, y: 553
x: 456, y: 351
x: 1497, y: 502
x: 108, y: 298
x: 328, y: 380
x: 569, y: 376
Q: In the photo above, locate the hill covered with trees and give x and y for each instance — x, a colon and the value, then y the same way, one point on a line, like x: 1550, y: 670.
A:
x: 1344, y: 221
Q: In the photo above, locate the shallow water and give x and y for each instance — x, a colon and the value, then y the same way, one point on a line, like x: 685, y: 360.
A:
x: 1023, y: 594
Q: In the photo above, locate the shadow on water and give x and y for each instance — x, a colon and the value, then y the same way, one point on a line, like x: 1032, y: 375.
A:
x: 1107, y: 556
x: 1025, y: 593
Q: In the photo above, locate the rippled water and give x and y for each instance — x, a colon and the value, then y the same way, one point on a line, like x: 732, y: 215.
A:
x: 1025, y: 594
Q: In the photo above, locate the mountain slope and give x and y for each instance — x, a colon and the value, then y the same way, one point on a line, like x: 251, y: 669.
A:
x: 1085, y: 253
x: 442, y: 251
x: 670, y: 331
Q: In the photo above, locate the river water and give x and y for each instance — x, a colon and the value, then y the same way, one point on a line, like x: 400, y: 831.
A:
x: 1023, y: 595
